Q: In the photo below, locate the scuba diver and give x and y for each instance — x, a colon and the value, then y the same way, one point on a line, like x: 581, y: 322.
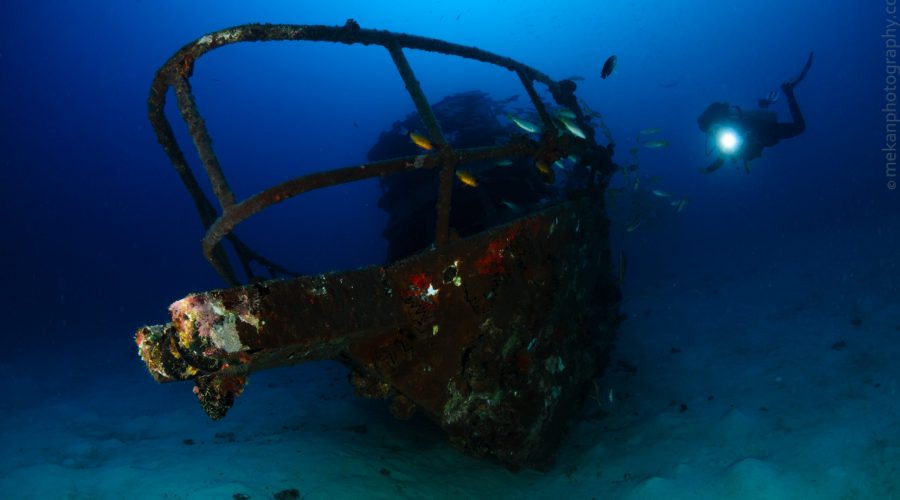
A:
x: 741, y: 134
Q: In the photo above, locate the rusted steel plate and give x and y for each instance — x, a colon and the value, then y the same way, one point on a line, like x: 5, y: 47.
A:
x: 490, y: 336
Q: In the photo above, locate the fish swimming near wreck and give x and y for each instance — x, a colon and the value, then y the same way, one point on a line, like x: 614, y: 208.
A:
x: 656, y: 144
x: 565, y: 112
x: 524, y: 124
x: 609, y: 66
x: 542, y: 167
x: 467, y: 178
x: 418, y: 139
x: 547, y: 174
x: 634, y: 224
x: 572, y: 128
x: 679, y: 204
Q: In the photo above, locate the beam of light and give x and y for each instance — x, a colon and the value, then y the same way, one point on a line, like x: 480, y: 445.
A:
x: 728, y: 141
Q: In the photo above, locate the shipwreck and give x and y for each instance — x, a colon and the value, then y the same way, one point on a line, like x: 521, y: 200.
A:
x: 493, y: 324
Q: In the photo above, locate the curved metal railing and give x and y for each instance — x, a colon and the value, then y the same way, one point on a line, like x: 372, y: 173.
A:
x: 176, y: 73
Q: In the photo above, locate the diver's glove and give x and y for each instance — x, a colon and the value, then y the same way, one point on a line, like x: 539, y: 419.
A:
x: 769, y: 99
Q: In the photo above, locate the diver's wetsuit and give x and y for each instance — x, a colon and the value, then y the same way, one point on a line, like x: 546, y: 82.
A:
x: 760, y: 129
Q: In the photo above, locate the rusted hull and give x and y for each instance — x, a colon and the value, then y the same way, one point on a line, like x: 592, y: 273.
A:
x: 494, y: 338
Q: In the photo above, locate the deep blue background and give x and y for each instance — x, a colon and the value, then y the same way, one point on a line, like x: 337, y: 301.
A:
x: 99, y: 235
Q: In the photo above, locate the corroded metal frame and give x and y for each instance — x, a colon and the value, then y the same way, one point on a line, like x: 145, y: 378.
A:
x: 176, y: 72
x: 495, y: 337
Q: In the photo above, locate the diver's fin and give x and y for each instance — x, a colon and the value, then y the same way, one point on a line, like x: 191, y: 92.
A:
x: 793, y: 83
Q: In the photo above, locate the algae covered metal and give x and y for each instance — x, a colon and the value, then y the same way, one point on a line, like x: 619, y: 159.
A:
x: 494, y: 336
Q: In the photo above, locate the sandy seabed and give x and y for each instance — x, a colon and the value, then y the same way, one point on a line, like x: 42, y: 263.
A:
x: 768, y: 380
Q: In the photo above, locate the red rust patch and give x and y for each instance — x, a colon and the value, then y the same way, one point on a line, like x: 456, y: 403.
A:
x: 492, y: 261
x: 418, y: 287
x: 419, y: 283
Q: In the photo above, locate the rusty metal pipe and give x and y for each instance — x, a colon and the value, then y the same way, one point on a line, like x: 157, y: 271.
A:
x: 276, y: 323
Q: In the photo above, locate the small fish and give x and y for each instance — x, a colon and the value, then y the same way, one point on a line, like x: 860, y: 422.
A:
x: 661, y: 194
x: 612, y: 399
x: 467, y: 178
x: 609, y: 66
x: 503, y: 163
x: 650, y: 131
x: 712, y: 167
x: 558, y: 164
x: 634, y: 225
x: 565, y: 113
x: 524, y: 124
x: 656, y: 144
x: 572, y: 128
x: 681, y: 203
x: 418, y: 139
x: 547, y: 174
x: 510, y: 205
x: 623, y: 263
x: 636, y: 183
x: 575, y: 78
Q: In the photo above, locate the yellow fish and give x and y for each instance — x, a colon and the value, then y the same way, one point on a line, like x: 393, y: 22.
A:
x: 467, y: 178
x: 420, y: 140
x: 542, y: 167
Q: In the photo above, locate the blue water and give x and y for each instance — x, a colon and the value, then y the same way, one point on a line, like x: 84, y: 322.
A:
x: 99, y: 235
